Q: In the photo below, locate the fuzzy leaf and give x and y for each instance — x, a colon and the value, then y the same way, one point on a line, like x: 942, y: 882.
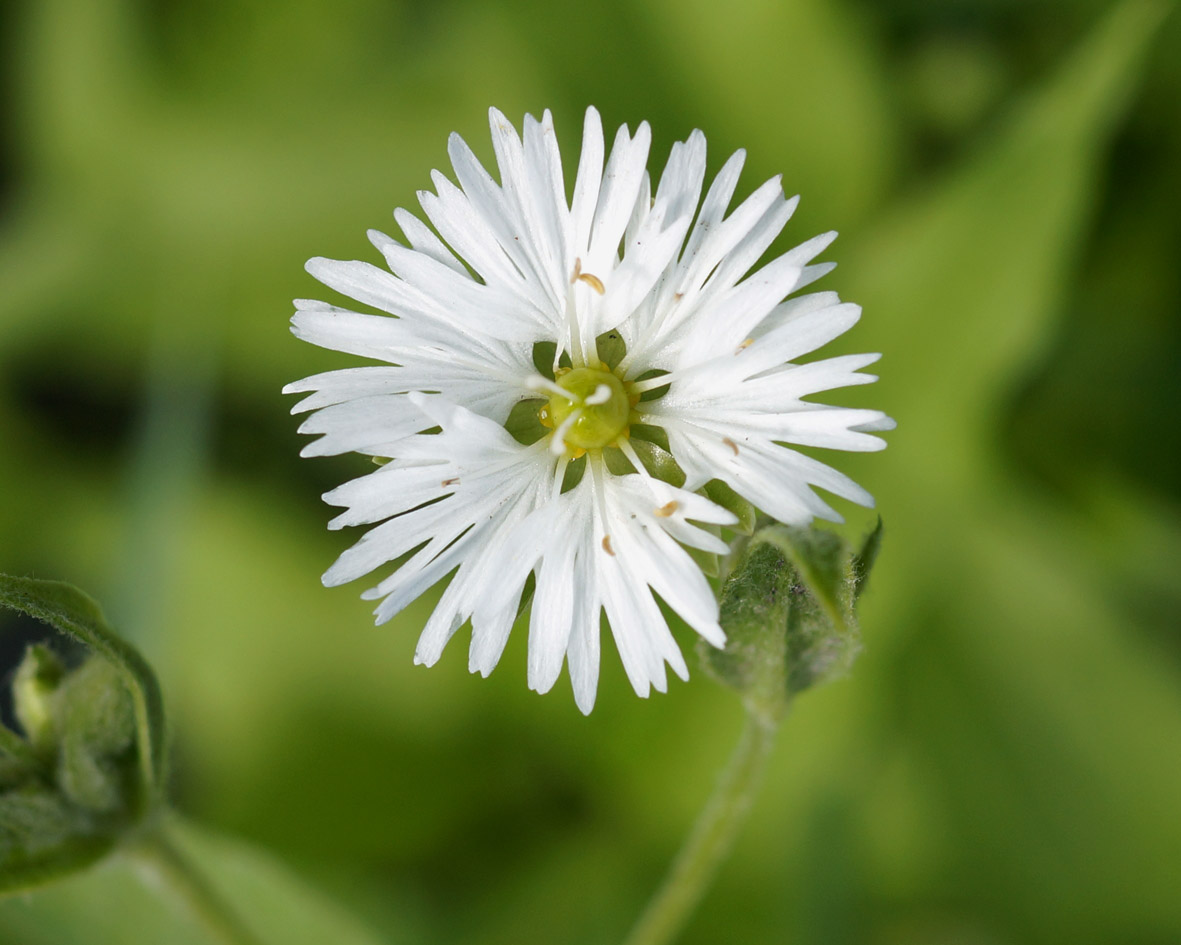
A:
x: 96, y: 721
x: 754, y: 607
x: 864, y: 559
x: 787, y: 610
x: 43, y: 838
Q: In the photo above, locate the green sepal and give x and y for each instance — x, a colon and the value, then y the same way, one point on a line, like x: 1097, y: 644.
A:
x: 650, y: 433
x: 610, y: 348
x: 709, y: 561
x: 575, y: 470
x: 96, y: 759
x: 659, y: 462
x: 721, y: 494
x: 543, y: 358
x: 657, y: 392
x: 788, y: 612
x: 822, y: 634
x: 43, y: 838
x: 524, y: 423
x: 617, y: 464
x: 753, y: 611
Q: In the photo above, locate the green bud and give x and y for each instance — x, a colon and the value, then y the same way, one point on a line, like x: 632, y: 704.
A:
x: 96, y: 761
x: 90, y: 768
x: 754, y: 607
x: 33, y: 688
x: 787, y: 609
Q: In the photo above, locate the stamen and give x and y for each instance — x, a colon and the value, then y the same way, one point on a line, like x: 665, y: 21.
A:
x: 537, y: 382
x: 559, y: 476
x: 577, y: 271
x: 607, y: 545
x: 633, y: 457
x: 742, y: 347
x: 593, y: 281
x: 640, y: 387
x: 666, y: 510
x: 449, y: 482
x: 730, y: 443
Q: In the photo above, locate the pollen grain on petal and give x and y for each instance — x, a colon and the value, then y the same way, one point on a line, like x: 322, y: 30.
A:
x: 607, y: 546
x: 730, y: 443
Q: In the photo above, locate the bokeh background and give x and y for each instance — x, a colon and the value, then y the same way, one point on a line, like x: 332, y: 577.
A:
x: 1003, y: 764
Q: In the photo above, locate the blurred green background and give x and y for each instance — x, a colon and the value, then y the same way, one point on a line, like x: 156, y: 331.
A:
x: 1003, y: 765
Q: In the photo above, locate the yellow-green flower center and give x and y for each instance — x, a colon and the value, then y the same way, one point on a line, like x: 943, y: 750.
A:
x: 593, y: 410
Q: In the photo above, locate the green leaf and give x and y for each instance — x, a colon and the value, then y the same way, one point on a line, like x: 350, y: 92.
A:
x: 717, y: 491
x: 822, y: 562
x: 708, y: 561
x: 96, y: 724
x: 44, y: 838
x: 113, y: 906
x: 964, y: 280
x: 72, y: 612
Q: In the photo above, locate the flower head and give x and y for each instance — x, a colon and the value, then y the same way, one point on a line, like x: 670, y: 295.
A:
x: 560, y: 379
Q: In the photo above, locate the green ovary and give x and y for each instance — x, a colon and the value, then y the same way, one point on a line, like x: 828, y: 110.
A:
x: 596, y: 424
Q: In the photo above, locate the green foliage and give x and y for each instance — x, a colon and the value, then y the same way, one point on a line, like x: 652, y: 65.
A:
x: 1005, y: 757
x: 113, y: 906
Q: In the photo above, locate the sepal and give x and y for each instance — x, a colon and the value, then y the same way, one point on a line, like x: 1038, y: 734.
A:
x: 788, y: 612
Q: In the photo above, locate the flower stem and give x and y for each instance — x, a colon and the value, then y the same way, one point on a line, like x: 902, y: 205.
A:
x: 710, y: 839
x: 163, y: 865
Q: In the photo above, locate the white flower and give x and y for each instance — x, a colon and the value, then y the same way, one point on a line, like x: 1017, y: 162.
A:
x: 506, y: 308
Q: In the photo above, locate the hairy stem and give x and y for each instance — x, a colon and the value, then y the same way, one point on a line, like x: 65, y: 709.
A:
x: 710, y: 840
x: 163, y: 865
